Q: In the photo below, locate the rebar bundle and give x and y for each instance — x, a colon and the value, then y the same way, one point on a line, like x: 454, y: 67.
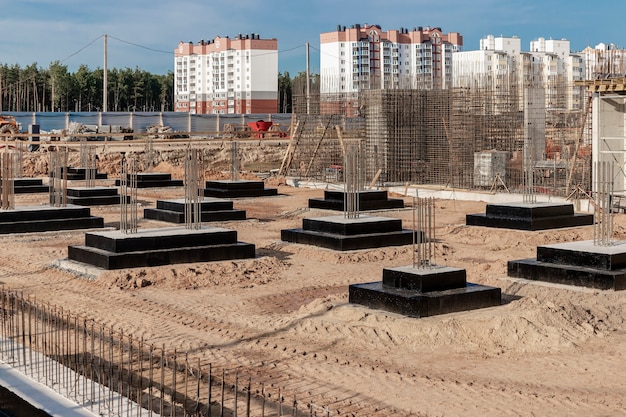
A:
x: 234, y: 160
x: 424, y: 225
x: 353, y: 178
x: 18, y: 170
x: 603, y: 226
x: 194, y: 179
x: 58, y: 176
x: 529, y: 191
x: 7, y: 169
x: 149, y: 153
x: 88, y: 162
x: 128, y: 195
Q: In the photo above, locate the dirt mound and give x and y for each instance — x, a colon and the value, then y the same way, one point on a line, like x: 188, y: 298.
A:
x: 241, y: 274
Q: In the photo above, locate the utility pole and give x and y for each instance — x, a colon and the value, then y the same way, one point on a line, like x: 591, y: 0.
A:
x: 104, y: 78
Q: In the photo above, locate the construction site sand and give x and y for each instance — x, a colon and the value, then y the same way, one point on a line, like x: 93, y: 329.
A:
x: 548, y: 350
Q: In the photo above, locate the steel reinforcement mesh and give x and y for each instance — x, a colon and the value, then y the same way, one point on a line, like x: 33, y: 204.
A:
x: 469, y: 138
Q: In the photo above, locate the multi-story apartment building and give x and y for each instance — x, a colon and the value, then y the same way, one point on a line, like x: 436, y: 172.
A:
x: 558, y: 69
x: 494, y: 64
x: 500, y: 64
x: 366, y: 57
x: 227, y: 76
x: 604, y: 61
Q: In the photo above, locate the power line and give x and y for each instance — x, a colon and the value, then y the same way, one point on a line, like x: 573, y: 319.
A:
x: 82, y: 49
x: 141, y: 46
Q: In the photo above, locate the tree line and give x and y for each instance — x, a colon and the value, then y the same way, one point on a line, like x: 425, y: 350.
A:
x: 36, y: 89
x: 55, y: 89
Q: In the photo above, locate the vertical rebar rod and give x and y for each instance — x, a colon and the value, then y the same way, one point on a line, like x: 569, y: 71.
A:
x: 23, y: 331
x: 91, y: 367
x: 30, y: 337
x: 210, y: 389
x: 173, y: 387
x: 37, y: 338
x: 198, y: 382
x: 101, y: 368
x: 57, y: 344
x: 186, y: 382
x: 120, y: 370
x: 4, y: 321
x: 162, y: 386
x: 81, y: 368
x: 129, y: 392
x: 140, y: 385
x: 44, y: 330
x: 150, y: 379
x: 68, y: 350
x: 111, y: 382
x: 58, y: 337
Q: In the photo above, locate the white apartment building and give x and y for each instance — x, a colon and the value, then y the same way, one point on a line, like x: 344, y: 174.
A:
x: 366, y: 57
x: 496, y: 62
x: 227, y: 76
x: 604, y: 61
x: 500, y: 63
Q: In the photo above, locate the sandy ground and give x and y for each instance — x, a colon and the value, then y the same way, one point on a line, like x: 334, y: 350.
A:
x: 547, y: 350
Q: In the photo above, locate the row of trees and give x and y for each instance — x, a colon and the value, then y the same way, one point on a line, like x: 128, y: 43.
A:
x: 35, y: 89
x: 294, y: 90
x: 56, y: 89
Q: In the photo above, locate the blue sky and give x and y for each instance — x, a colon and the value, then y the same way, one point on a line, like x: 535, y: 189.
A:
x: 144, y: 33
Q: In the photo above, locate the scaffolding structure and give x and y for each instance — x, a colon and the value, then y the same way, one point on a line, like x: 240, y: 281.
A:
x: 516, y: 134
